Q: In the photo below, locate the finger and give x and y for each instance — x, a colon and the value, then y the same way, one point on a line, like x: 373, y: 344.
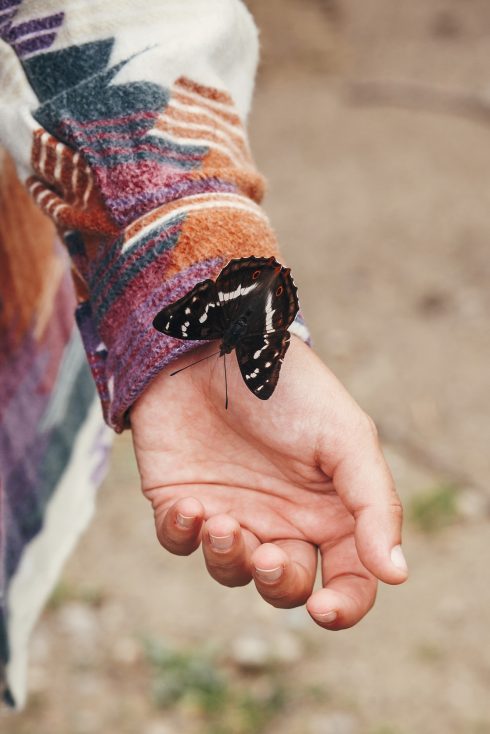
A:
x: 227, y: 550
x: 284, y: 572
x: 363, y: 481
x: 179, y: 527
x: 349, y: 589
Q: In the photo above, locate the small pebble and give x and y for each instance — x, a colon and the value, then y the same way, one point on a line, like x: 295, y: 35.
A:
x: 78, y: 620
x: 472, y: 504
x: 250, y: 652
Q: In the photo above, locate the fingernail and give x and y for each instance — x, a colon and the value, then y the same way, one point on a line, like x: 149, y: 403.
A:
x: 185, y: 521
x: 398, y: 559
x: 326, y: 618
x: 221, y: 542
x: 269, y: 575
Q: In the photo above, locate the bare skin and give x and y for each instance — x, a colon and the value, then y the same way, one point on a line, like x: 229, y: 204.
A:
x: 268, y: 488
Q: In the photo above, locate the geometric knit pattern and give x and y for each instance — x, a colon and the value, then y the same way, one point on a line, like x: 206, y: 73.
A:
x: 152, y: 189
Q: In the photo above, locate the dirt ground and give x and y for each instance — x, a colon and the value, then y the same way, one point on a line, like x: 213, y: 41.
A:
x: 372, y: 126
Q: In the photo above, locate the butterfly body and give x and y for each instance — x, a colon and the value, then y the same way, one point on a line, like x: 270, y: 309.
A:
x: 234, y: 334
x: 249, y: 309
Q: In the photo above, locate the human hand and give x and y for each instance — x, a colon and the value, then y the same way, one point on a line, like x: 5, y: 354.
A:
x: 266, y: 485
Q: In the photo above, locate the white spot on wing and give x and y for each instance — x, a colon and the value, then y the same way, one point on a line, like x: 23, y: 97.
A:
x: 204, y: 317
x: 259, y: 351
x: 269, y: 312
x: 237, y: 292
x: 252, y: 374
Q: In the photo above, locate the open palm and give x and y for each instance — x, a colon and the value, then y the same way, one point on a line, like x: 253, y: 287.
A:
x: 267, y: 486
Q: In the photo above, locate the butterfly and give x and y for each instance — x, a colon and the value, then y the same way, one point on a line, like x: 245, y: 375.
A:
x: 249, y: 307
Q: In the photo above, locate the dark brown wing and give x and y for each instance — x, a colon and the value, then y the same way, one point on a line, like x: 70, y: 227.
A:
x: 198, y: 315
x: 260, y: 359
x: 260, y: 288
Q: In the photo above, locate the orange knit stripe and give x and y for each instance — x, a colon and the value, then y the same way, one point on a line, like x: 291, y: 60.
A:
x: 166, y: 209
x: 67, y: 216
x: 224, y: 233
x: 225, y: 138
x: 61, y: 168
x: 229, y: 117
x: 216, y: 95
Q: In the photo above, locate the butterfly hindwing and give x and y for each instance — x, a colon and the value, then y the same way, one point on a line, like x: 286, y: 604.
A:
x: 198, y: 315
x: 260, y: 358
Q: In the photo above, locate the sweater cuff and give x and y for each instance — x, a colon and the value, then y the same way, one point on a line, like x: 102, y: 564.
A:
x: 157, y: 260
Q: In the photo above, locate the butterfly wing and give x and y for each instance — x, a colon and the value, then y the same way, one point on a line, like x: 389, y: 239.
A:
x: 260, y: 358
x: 198, y: 315
x: 261, y: 289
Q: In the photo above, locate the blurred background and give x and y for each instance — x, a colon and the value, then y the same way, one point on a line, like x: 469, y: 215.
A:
x: 371, y: 123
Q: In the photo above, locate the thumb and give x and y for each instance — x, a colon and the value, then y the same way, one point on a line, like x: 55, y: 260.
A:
x: 378, y: 540
x: 364, y: 482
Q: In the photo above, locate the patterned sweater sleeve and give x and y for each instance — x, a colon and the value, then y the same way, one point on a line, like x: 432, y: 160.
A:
x: 127, y: 126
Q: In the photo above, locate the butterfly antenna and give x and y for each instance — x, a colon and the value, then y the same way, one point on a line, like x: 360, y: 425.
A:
x: 226, y: 384
x: 193, y: 363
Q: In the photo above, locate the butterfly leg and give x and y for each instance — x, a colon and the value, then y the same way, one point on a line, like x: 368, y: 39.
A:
x: 226, y: 383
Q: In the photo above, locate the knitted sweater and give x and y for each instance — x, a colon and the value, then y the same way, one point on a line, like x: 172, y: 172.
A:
x: 126, y: 178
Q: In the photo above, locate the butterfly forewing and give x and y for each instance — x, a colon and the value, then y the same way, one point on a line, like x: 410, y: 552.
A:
x: 260, y: 359
x: 198, y: 315
x: 261, y: 289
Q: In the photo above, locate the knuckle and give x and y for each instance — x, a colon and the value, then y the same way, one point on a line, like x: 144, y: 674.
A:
x: 283, y: 598
x: 370, y: 427
x: 396, y: 509
x: 177, y: 549
x: 285, y: 601
x: 230, y: 576
x: 174, y: 546
x: 224, y: 566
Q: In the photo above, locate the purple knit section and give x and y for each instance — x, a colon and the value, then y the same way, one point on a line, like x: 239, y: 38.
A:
x: 146, y: 351
x: 96, y: 351
x: 177, y: 190
x: 38, y: 24
x: 119, y: 270
x: 34, y: 44
x: 101, y: 448
x: 24, y: 399
x: 7, y: 4
x: 26, y: 379
x: 4, y: 18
